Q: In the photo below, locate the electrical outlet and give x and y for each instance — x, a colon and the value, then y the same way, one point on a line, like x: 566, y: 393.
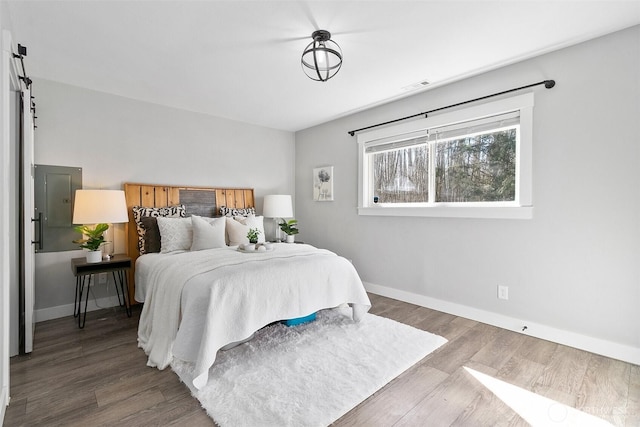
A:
x: 503, y: 292
x: 102, y: 278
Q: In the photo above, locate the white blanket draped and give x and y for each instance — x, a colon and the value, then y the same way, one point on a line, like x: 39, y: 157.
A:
x: 197, y: 302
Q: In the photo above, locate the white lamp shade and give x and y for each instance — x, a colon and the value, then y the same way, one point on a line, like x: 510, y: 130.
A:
x: 97, y: 206
x: 277, y: 206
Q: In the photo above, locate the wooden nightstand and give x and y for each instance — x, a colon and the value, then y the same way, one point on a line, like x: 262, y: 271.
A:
x: 84, y: 271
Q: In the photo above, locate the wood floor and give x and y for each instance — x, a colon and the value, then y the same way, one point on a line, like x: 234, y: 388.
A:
x: 97, y: 376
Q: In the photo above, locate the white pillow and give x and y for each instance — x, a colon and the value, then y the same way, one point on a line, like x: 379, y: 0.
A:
x: 176, y: 234
x: 208, y: 233
x: 238, y: 227
x: 253, y: 221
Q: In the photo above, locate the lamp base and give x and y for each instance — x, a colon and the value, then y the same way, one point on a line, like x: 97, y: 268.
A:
x: 277, y: 236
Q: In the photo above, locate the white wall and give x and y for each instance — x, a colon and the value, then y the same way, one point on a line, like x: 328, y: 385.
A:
x: 117, y: 140
x: 573, y: 270
x: 7, y: 192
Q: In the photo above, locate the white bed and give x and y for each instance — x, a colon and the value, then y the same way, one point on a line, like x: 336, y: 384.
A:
x: 195, y: 303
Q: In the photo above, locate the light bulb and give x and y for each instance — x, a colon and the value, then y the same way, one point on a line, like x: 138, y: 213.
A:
x: 321, y: 53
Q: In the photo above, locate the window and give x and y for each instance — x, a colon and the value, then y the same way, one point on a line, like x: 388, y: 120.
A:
x: 474, y: 162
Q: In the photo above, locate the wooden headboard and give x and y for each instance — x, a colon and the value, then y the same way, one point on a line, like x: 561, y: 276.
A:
x: 203, y: 201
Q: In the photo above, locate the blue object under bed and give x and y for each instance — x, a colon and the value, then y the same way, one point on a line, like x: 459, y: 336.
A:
x: 300, y: 320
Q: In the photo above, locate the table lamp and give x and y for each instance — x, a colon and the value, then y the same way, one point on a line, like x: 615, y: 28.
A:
x: 277, y: 206
x: 100, y: 206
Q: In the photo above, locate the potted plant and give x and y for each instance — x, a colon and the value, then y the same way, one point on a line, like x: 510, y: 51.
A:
x: 290, y: 228
x: 94, y: 239
x: 252, y: 235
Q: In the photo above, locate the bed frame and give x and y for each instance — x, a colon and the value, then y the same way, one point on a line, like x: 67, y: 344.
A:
x: 203, y: 201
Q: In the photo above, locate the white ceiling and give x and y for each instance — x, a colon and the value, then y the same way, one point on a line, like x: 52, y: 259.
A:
x: 241, y: 59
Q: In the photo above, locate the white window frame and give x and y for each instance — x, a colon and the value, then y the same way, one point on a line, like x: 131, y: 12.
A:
x: 521, y: 208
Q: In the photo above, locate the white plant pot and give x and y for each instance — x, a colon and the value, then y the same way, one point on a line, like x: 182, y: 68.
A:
x: 291, y: 238
x: 94, y: 256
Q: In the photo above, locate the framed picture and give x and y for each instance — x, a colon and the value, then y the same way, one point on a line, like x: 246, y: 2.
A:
x: 323, y: 184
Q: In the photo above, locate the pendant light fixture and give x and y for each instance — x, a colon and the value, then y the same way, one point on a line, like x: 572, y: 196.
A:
x: 322, y: 58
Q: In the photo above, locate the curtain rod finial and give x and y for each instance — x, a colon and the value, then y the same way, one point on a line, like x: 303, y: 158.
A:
x: 549, y: 83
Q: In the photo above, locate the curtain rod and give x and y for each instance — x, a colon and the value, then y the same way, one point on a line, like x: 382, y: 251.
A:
x: 547, y: 83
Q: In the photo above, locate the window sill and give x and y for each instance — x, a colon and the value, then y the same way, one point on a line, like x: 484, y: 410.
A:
x: 491, y: 212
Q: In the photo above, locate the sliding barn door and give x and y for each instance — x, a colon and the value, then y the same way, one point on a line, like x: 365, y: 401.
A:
x: 27, y: 230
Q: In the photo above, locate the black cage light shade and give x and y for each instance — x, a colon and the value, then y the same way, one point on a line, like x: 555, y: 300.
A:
x: 322, y: 58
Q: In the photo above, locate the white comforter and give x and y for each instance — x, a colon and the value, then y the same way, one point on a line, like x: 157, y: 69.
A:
x: 197, y: 302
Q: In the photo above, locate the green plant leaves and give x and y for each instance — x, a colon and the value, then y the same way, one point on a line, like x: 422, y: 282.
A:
x: 94, y: 235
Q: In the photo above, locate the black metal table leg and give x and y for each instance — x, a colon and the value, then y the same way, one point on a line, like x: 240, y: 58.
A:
x: 115, y: 284
x: 83, y: 318
x: 126, y: 293
x: 81, y: 284
x: 76, y: 303
x: 124, y: 287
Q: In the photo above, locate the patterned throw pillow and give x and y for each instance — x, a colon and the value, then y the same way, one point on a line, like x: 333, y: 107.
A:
x: 225, y: 211
x: 140, y: 212
x: 176, y: 234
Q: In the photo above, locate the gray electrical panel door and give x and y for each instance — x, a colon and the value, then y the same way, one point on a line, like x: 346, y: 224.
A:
x: 55, y: 189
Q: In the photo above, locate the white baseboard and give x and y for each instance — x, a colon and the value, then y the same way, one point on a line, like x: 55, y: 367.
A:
x: 4, y: 402
x: 67, y: 309
x: 583, y: 342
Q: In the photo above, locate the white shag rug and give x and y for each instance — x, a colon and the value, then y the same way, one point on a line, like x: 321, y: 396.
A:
x: 308, y: 375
